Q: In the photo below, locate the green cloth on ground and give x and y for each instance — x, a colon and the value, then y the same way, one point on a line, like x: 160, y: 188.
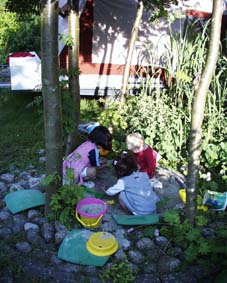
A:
x: 136, y: 219
x: 98, y: 195
x: 24, y: 199
x: 73, y: 249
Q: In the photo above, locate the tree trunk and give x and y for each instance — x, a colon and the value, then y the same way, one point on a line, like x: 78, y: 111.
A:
x: 51, y: 96
x: 198, y: 111
x: 131, y: 46
x: 74, y: 84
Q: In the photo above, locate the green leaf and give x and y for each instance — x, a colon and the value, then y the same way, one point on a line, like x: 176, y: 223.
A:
x: 193, y: 235
x: 204, y: 248
x: 191, y: 253
x: 172, y: 217
x: 149, y: 231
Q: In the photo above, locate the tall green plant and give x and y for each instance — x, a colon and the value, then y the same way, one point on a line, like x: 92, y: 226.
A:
x: 154, y: 111
x: 64, y: 201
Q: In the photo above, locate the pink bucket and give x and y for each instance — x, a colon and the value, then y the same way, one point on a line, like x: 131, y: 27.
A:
x: 89, y: 212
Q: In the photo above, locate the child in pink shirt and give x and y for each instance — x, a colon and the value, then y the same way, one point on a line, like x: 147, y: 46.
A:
x: 85, y: 160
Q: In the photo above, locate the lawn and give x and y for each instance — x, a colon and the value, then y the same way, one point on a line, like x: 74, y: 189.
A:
x: 22, y: 127
x: 21, y: 130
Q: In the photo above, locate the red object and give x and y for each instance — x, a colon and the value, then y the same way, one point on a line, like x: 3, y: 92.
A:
x: 19, y: 54
x: 198, y: 14
x: 147, y: 161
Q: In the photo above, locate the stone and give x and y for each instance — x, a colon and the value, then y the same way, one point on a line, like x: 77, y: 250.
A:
x: 4, y: 215
x: 178, y: 277
x: 107, y: 224
x: 23, y: 183
x: 70, y: 267
x: 15, y: 187
x: 59, y: 237
x: 33, y: 237
x: 23, y: 247
x: 154, y: 254
x: 150, y: 268
x: 5, y: 233
x: 59, y: 227
x: 161, y: 241
x: 122, y: 241
x: 47, y: 232
x: 167, y: 264
x: 29, y: 226
x: 32, y: 213
x: 18, y: 223
x: 23, y: 175
x: 37, y: 269
x: 40, y: 220
x: 175, y: 252
x: 7, y: 178
x: 145, y: 243
x: 42, y: 159
x: 148, y: 278
x: 37, y: 248
x: 41, y: 151
x: 120, y: 255
x: 91, y: 270
x: 208, y: 232
x: 7, y: 276
x: 33, y: 183
x: 3, y: 189
x: 56, y: 260
x: 136, y: 257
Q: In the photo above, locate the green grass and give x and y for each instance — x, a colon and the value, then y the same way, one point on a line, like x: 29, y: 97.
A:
x: 22, y: 127
x: 21, y: 130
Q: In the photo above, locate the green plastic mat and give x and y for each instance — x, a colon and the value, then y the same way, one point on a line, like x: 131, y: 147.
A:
x: 24, y: 199
x: 73, y: 249
x: 136, y: 219
x: 98, y: 195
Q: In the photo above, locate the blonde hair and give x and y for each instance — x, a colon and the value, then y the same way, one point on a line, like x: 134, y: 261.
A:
x: 134, y: 140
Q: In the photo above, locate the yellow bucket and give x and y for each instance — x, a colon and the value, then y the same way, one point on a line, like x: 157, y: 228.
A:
x: 89, y: 212
x: 182, y: 195
x: 102, y: 244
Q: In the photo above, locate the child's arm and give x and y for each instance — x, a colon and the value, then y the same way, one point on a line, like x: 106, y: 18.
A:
x: 96, y: 161
x: 118, y: 187
x: 150, y: 162
x: 93, y: 156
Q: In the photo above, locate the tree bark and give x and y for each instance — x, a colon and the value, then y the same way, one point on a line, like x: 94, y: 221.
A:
x: 74, y: 84
x: 51, y: 96
x: 198, y: 111
x: 131, y: 46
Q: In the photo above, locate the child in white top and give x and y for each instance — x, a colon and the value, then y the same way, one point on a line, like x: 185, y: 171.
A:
x: 136, y: 192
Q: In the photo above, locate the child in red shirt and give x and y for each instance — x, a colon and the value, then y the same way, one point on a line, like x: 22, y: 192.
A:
x: 144, y: 155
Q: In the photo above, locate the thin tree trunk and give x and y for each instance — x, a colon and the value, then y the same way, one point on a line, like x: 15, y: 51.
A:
x: 51, y: 96
x: 198, y: 111
x: 131, y: 46
x: 74, y: 84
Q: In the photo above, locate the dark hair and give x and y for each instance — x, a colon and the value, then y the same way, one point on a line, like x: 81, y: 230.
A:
x: 125, y: 164
x: 102, y: 137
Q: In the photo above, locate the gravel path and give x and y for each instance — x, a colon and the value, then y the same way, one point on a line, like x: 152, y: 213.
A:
x: 30, y: 244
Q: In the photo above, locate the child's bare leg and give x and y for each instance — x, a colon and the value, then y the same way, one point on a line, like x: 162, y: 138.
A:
x: 90, y: 174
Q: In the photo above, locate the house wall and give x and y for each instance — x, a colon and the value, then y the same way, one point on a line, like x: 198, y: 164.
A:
x: 105, y: 29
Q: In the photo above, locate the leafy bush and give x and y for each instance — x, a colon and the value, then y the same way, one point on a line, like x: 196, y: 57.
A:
x: 205, y: 251
x: 63, y: 202
x: 163, y: 116
x: 117, y: 272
